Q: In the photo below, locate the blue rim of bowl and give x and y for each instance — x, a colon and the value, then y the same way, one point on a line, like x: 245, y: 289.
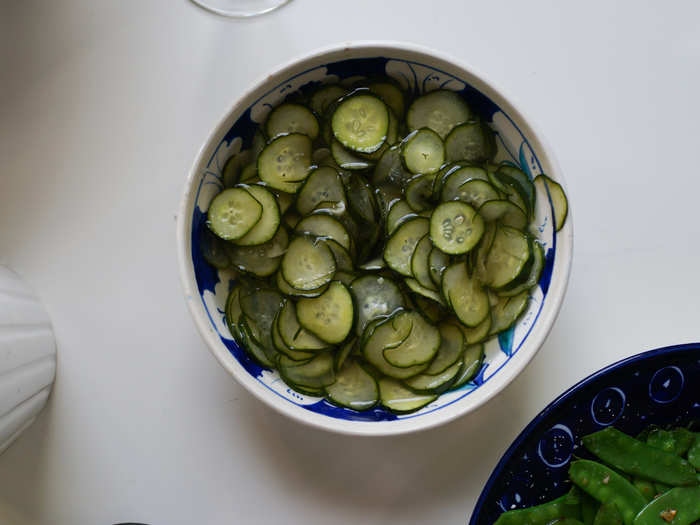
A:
x: 546, y: 412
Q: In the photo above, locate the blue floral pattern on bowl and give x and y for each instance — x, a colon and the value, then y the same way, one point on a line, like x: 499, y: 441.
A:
x: 657, y: 387
x: 417, y: 78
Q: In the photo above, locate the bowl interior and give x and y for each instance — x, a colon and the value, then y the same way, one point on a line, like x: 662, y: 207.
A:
x: 417, y: 72
x: 657, y: 387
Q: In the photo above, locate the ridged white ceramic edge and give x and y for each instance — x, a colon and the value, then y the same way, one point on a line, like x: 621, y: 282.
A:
x: 553, y: 301
x: 27, y: 357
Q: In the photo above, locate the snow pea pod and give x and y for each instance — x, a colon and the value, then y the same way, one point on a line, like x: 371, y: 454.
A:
x: 676, y: 441
x: 607, y: 486
x: 566, y: 506
x: 608, y: 514
x: 634, y: 457
x: 645, y: 487
x: 678, y: 506
x: 589, y: 508
x: 694, y: 452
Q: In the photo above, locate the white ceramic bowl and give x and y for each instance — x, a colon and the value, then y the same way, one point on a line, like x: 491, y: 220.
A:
x: 418, y: 70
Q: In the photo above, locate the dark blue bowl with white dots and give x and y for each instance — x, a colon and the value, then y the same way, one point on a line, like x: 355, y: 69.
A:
x: 658, y: 387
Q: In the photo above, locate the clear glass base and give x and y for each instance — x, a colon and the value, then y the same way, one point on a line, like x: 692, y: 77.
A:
x: 240, y: 8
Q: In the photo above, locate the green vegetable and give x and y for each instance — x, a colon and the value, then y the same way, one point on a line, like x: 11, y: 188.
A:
x: 608, y: 514
x: 605, y: 485
x: 678, y: 506
x: 566, y: 506
x: 634, y: 457
x: 362, y: 204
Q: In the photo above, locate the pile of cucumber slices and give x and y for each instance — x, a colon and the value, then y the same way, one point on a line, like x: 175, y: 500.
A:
x: 378, y: 244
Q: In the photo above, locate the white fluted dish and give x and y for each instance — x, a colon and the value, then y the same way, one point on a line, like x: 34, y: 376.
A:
x: 27, y: 357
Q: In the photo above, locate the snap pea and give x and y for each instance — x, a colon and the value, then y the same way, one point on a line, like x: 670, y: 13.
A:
x: 607, y: 486
x: 608, y: 514
x: 566, y: 506
x: 678, y: 506
x: 694, y: 452
x: 661, y: 488
x: 589, y: 508
x: 676, y: 441
x: 634, y: 457
x: 644, y: 486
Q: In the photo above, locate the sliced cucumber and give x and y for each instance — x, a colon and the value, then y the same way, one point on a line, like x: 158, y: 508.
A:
x: 317, y: 373
x: 429, y: 293
x: 423, y: 151
x: 386, y: 195
x: 476, y: 193
x: 233, y: 213
x: 390, y: 168
x: 438, y: 261
x: 507, y: 256
x: 419, y: 191
x: 533, y: 276
x: 434, y: 383
x: 455, y: 227
x: 231, y: 172
x: 519, y: 183
x: 360, y: 123
x: 293, y: 335
x: 419, y: 347
x: 402, y: 243
x: 505, y: 212
x: 349, y: 347
x: 325, y: 96
x: 465, y: 295
x: 266, y: 227
x: 288, y: 289
x: 439, y: 110
x: 361, y: 201
x: 353, y: 387
x: 281, y: 347
x: 390, y: 94
x: 388, y: 334
x: 478, y: 333
x: 347, y: 160
x: 252, y: 339
x: 323, y: 185
x: 507, y: 310
x: 291, y: 219
x: 214, y: 249
x: 343, y: 259
x: 254, y: 349
x: 472, y: 142
x: 291, y: 118
x: 471, y: 363
x: 451, y: 348
x: 420, y: 263
x: 285, y: 162
x: 233, y: 312
x: 375, y: 297
x: 308, y: 264
x: 400, y: 399
x: 326, y: 227
x: 373, y: 265
x: 457, y: 178
x: 261, y: 260
x: 560, y: 204
x: 345, y: 277
x: 261, y: 307
x: 330, y: 316
x: 399, y: 213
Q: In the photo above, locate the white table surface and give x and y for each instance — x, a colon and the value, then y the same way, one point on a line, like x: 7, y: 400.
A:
x: 103, y: 106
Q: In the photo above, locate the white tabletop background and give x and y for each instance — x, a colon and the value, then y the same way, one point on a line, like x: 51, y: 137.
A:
x: 103, y: 106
